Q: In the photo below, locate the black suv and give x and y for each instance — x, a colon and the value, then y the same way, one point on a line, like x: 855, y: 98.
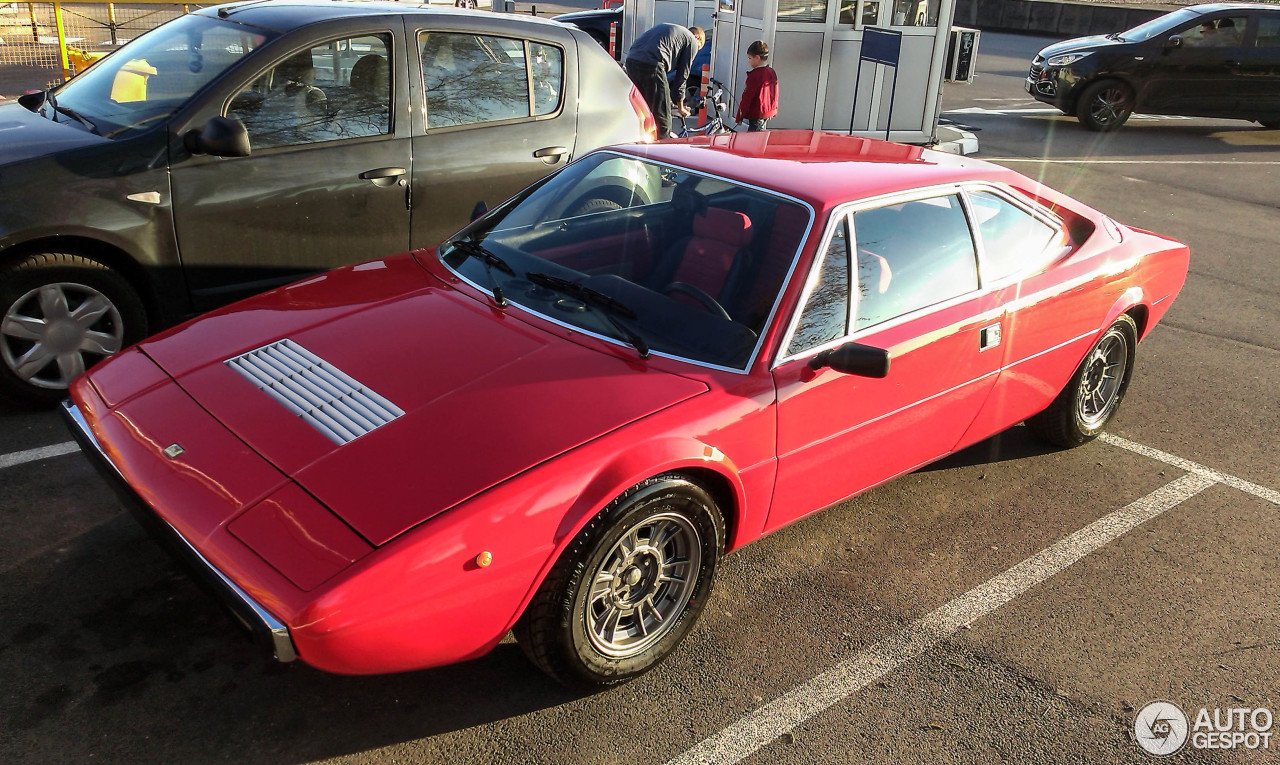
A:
x: 1219, y: 60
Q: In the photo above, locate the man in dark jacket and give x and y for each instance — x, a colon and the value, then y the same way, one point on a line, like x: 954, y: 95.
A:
x: 664, y: 48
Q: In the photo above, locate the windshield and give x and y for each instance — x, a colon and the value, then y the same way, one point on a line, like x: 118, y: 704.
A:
x: 1158, y: 26
x: 660, y: 258
x: 151, y: 77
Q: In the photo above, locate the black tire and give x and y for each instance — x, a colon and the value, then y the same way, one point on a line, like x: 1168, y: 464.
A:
x: 1270, y: 124
x: 554, y: 631
x: 1105, y: 105
x: 1083, y: 409
x: 112, y: 318
x: 588, y: 206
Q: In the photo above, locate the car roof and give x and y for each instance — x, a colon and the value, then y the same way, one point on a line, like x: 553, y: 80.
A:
x: 287, y: 15
x: 1217, y: 7
x: 823, y: 169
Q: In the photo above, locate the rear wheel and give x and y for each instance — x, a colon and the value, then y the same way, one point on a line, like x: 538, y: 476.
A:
x: 628, y: 588
x: 59, y: 315
x: 1084, y: 407
x: 1105, y: 105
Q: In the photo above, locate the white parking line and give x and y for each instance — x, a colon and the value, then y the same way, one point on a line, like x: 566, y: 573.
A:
x: 1261, y: 492
x: 743, y: 738
x: 32, y: 455
x: 1133, y: 161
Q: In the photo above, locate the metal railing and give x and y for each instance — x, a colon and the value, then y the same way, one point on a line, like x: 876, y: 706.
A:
x: 45, y: 43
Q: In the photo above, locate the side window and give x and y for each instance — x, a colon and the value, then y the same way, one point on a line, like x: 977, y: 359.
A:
x: 826, y: 313
x: 470, y: 78
x: 1226, y: 32
x: 910, y: 256
x: 1268, y: 32
x: 1012, y: 240
x: 339, y: 89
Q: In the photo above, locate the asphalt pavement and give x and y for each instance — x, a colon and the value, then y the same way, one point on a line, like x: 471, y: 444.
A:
x: 1012, y: 603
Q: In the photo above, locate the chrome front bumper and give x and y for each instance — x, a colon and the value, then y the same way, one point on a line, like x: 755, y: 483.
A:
x: 245, y: 609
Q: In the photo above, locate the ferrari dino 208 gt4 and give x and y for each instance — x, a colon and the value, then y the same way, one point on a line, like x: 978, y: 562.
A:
x: 558, y: 421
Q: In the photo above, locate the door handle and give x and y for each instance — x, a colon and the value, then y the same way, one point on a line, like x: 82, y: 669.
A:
x: 551, y: 154
x: 988, y: 337
x: 383, y: 176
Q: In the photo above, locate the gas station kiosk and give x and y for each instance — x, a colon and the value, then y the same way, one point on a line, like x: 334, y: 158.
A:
x: 829, y: 76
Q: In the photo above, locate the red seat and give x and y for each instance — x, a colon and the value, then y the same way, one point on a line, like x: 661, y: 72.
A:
x: 707, y: 257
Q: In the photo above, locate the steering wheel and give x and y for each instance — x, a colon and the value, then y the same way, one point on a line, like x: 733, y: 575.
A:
x: 705, y: 300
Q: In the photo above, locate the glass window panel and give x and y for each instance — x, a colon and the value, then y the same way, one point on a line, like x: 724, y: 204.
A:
x: 1216, y: 33
x: 472, y: 78
x: 916, y: 13
x: 1012, y: 240
x: 339, y: 89
x: 870, y: 13
x: 548, y: 77
x: 910, y: 256
x: 826, y: 313
x: 1268, y: 32
x: 808, y: 11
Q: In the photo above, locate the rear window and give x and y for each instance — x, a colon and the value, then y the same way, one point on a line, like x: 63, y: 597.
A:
x: 472, y: 79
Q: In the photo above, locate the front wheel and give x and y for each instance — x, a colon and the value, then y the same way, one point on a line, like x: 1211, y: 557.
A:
x: 1105, y: 105
x: 1095, y: 391
x: 628, y: 588
x: 61, y: 314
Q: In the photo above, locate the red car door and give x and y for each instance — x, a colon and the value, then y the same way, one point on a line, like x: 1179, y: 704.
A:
x: 917, y: 295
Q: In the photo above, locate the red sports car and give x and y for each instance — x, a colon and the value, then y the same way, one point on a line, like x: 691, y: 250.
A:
x: 558, y: 421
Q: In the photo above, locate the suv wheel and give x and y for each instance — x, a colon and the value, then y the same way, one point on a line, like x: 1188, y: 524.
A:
x: 59, y: 315
x: 1105, y: 105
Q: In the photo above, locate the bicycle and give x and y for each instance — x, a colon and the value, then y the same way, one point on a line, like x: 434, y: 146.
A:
x: 717, y: 103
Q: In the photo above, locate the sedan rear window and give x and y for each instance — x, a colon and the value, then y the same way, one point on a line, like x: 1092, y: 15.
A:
x: 471, y: 79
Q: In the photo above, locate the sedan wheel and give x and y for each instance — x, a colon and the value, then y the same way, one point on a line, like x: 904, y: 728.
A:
x: 1105, y: 105
x: 1080, y: 411
x: 628, y: 588
x: 61, y: 315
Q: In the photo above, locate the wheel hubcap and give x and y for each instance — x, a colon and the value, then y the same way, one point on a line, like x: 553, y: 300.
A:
x: 53, y: 333
x: 1103, y: 374
x: 644, y: 581
x: 1109, y: 105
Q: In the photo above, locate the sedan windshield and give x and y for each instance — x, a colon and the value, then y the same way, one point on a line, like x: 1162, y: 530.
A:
x: 151, y: 77
x: 662, y: 259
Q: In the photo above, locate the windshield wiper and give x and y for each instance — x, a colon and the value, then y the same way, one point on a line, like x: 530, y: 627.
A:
x: 1115, y: 36
x: 72, y: 113
x: 595, y: 297
x: 478, y: 251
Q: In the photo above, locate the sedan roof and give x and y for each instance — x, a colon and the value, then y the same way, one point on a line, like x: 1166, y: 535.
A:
x: 287, y: 15
x: 823, y: 169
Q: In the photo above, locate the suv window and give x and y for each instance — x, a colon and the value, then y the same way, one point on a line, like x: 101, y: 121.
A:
x: 1268, y: 32
x: 1226, y: 32
x: 471, y: 78
x: 826, y: 312
x: 912, y: 255
x: 338, y: 89
x: 1012, y: 239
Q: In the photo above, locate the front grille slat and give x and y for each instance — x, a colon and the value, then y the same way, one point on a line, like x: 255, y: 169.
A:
x: 323, y: 396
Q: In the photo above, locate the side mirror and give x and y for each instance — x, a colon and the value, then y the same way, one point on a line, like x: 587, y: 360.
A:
x: 220, y: 137
x: 854, y: 359
x: 480, y: 209
x: 1172, y: 42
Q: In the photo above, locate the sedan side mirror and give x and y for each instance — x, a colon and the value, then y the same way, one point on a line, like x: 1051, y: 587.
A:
x: 1172, y: 42
x: 854, y: 359
x: 220, y: 137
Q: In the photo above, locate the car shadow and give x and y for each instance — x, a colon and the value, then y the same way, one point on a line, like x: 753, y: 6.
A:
x: 109, y: 651
x: 1011, y: 445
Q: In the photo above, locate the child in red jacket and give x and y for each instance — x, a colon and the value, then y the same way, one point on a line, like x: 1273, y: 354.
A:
x: 759, y: 99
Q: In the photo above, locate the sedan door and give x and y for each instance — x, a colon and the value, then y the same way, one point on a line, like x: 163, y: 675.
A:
x: 1200, y: 76
x: 326, y: 183
x: 495, y: 110
x: 914, y: 269
x: 1260, y: 70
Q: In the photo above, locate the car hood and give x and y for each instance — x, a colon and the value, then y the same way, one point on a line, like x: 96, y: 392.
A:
x: 484, y: 395
x: 26, y: 135
x: 1081, y: 44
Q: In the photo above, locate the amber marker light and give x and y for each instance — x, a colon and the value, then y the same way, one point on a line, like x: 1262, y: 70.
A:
x: 484, y: 559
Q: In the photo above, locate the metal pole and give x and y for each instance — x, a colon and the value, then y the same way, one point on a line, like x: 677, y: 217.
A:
x: 111, y: 24
x: 62, y: 41
x: 893, y: 90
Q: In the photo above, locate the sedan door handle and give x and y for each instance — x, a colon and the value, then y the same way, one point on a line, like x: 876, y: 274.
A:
x: 551, y: 154
x: 383, y: 176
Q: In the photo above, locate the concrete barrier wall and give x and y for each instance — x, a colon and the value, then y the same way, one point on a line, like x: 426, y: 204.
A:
x: 1054, y: 19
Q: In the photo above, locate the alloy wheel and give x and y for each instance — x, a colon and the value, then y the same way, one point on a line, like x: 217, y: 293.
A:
x: 50, y: 335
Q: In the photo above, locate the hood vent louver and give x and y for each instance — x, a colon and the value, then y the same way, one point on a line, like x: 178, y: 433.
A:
x: 324, y: 396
